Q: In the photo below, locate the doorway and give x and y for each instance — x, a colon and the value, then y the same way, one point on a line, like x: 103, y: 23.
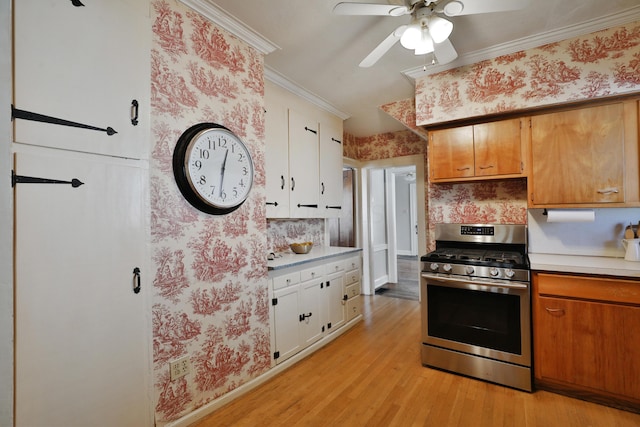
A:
x: 379, y: 220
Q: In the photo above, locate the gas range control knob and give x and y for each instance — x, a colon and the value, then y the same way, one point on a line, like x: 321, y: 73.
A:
x: 434, y: 266
x: 509, y: 273
x: 469, y: 269
x: 446, y: 268
x: 494, y: 271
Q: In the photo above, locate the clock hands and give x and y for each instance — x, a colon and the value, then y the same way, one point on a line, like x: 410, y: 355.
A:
x: 222, y: 169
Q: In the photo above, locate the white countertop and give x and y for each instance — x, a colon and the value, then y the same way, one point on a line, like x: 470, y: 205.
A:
x: 584, y: 264
x: 290, y: 259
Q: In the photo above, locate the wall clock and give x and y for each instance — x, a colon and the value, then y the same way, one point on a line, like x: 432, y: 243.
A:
x: 213, y: 168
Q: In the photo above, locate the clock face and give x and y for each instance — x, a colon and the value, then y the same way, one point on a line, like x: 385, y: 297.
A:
x: 213, y: 168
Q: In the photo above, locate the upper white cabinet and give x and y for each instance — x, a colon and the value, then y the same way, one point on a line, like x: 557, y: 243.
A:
x: 84, y: 66
x: 330, y: 169
x: 304, y: 166
x: 303, y: 157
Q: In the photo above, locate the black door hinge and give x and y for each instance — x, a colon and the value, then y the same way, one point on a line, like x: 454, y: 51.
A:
x: 276, y: 355
x: 274, y: 301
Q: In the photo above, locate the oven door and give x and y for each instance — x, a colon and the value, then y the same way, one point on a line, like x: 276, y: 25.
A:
x: 483, y: 317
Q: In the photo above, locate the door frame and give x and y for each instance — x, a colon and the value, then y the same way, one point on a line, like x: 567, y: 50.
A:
x: 6, y: 222
x: 417, y: 160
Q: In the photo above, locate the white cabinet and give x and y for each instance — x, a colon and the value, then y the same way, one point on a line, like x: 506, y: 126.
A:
x: 82, y: 331
x: 303, y: 160
x: 311, y: 301
x: 352, y: 288
x: 304, y: 166
x: 277, y: 157
x: 330, y: 169
x: 85, y: 65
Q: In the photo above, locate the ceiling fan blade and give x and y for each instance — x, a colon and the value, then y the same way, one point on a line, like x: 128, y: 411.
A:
x: 369, y: 9
x: 383, y: 47
x: 470, y: 7
x: 444, y: 52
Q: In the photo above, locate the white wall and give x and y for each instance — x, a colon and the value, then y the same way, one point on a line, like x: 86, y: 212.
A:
x: 602, y: 237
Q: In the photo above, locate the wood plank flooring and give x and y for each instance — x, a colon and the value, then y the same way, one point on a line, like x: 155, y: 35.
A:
x: 372, y: 376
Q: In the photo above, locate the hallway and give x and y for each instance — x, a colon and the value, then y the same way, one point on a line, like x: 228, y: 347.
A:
x: 408, y: 280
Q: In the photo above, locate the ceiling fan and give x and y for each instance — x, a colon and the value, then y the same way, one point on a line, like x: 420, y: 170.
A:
x: 428, y: 30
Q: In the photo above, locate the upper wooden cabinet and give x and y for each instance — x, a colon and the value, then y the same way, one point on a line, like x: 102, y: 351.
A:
x: 486, y: 150
x: 585, y: 157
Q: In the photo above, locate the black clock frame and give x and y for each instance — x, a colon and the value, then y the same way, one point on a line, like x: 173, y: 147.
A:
x: 180, y: 172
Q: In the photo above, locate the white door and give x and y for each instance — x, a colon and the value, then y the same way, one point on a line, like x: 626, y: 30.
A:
x: 378, y: 223
x: 82, y: 333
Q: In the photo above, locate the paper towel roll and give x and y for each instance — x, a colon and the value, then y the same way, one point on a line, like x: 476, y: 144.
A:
x: 571, y: 215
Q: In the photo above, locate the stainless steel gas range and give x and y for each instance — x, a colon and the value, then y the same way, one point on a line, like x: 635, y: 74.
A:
x: 476, y: 303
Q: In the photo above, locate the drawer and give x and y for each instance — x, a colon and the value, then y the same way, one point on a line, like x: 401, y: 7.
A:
x: 605, y: 289
x: 353, y: 290
x: 352, y: 263
x: 334, y: 267
x: 354, y: 308
x: 311, y: 273
x: 351, y: 277
x: 286, y: 280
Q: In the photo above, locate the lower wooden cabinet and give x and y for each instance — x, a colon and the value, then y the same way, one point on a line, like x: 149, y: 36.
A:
x: 311, y: 301
x: 586, y: 337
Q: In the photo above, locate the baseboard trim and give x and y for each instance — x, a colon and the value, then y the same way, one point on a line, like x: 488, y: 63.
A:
x: 212, y: 406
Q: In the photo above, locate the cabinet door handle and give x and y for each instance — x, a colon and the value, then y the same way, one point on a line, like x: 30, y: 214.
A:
x: 555, y: 311
x: 304, y: 317
x: 136, y: 280
x: 486, y: 167
x: 282, y: 182
x: 611, y: 190
x: 134, y: 112
x: 463, y: 169
x: 322, y: 188
x: 293, y: 184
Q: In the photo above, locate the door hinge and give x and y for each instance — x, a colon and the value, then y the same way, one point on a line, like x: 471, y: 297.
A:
x: 329, y: 325
x: 274, y: 301
x: 276, y: 355
x: 19, y: 179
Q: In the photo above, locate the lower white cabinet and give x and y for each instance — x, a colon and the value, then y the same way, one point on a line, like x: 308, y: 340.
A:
x: 311, y: 301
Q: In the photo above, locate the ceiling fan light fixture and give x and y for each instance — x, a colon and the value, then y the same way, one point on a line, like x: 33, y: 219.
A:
x: 411, y: 37
x: 439, y: 28
x: 426, y: 43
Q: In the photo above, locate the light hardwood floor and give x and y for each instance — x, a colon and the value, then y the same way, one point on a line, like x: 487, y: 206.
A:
x: 372, y: 376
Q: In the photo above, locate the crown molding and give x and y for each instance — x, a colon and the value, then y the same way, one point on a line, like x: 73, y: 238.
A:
x: 530, y: 42
x: 280, y: 80
x: 232, y: 24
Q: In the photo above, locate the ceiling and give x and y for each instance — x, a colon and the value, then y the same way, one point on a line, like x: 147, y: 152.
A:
x: 320, y: 51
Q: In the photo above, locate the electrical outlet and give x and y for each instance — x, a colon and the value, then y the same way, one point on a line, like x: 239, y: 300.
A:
x: 179, y: 367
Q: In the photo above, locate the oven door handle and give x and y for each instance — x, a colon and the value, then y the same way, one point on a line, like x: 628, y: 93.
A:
x: 447, y: 280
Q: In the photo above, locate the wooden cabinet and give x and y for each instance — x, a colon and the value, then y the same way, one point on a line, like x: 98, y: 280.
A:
x: 585, y: 157
x: 310, y: 302
x: 303, y: 160
x: 487, y: 150
x: 586, y: 332
x: 83, y: 65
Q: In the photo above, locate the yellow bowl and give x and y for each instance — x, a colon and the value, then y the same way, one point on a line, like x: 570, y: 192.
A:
x: 301, y: 248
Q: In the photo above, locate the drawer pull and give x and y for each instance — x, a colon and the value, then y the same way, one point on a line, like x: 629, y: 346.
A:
x: 611, y: 190
x: 486, y: 167
x: 463, y: 169
x: 555, y: 311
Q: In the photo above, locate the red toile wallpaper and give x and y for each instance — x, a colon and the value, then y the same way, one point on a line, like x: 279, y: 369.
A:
x: 591, y: 66
x: 210, y: 278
